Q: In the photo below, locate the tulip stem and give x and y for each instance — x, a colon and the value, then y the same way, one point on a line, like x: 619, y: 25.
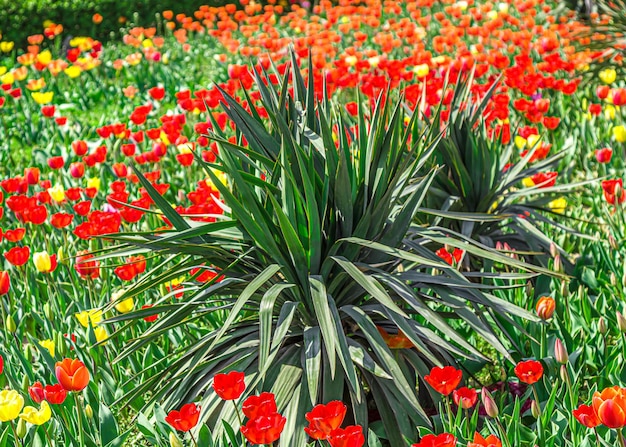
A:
x: 15, y: 434
x: 193, y: 439
x: 622, y: 441
x: 240, y: 421
x: 45, y: 430
x: 80, y: 420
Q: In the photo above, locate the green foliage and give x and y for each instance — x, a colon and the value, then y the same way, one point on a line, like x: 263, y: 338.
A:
x: 20, y: 19
x: 316, y: 262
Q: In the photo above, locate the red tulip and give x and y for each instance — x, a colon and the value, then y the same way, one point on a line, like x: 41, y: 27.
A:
x: 604, y: 155
x: 489, y: 441
x: 85, y: 267
x: 61, y: 220
x: 79, y: 147
x: 157, y: 93
x: 452, y: 258
x: 151, y: 318
x: 264, y: 429
x: 351, y: 436
x: 529, y: 371
x: 586, y: 415
x: 614, y: 189
x: 55, y: 394
x: 36, y: 392
x: 465, y: 397
x: 17, y: 255
x: 31, y: 175
x: 1, y: 364
x: 77, y: 169
x: 15, y: 235
x: 229, y: 386
x: 261, y: 405
x: 610, y: 406
x: 185, y: 419
x: 323, y: 419
x: 445, y: 379
x: 72, y: 374
x: 5, y: 283
x: 56, y: 162
x: 442, y: 440
x: 47, y: 111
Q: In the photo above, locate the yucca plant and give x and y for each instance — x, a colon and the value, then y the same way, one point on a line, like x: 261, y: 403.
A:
x: 315, y: 262
x: 478, y: 194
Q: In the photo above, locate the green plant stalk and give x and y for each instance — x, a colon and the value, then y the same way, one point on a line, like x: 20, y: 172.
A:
x: 539, y: 424
x: 620, y: 435
x: 503, y: 434
x: 240, y: 421
x: 193, y: 439
x: 45, y: 430
x: 80, y: 420
x: 15, y: 434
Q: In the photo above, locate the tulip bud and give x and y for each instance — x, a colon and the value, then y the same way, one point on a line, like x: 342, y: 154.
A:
x: 624, y: 280
x: 545, y: 307
x: 613, y: 242
x: 535, y: 410
x: 557, y: 263
x: 621, y: 322
x: 60, y: 344
x: 613, y: 279
x: 10, y: 324
x: 21, y: 429
x: 25, y: 384
x: 602, y: 327
x: 529, y: 289
x: 174, y: 441
x: 560, y: 353
x: 47, y: 311
x: 563, y: 373
x: 564, y: 288
x: 553, y: 250
x: 88, y: 411
x: 490, y: 405
x: 61, y: 258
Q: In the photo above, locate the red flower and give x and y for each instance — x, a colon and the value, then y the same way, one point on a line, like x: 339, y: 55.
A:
x: 398, y: 341
x: 586, y: 415
x: 82, y: 208
x: 451, y: 258
x: 465, y: 397
x: 5, y: 282
x: 36, y: 392
x: 229, y: 386
x: 79, y: 147
x: 323, y: 419
x: 17, y: 255
x: 261, y: 405
x: 185, y: 419
x: 85, y: 267
x: 47, y: 111
x: 445, y: 379
x: 529, y: 371
x: 72, y: 374
x: 489, y: 441
x: 151, y: 318
x: 158, y: 93
x: 1, y: 364
x: 61, y: 220
x: 351, y: 436
x: 77, y: 169
x: 55, y: 394
x: 56, y: 162
x: 442, y: 440
x: 604, y: 155
x: 544, y: 179
x: 264, y: 429
x: 15, y: 235
x: 613, y: 189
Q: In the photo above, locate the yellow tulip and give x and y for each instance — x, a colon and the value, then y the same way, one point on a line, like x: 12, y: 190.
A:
x: 49, y: 345
x: 351, y: 61
x: 94, y: 182
x: 37, y: 417
x: 528, y: 182
x: 609, y: 112
x: 520, y: 142
x: 45, y: 57
x: 558, y: 205
x: 101, y: 334
x: 421, y: 70
x: 42, y: 98
x: 3, y: 70
x: 42, y: 262
x: 11, y: 403
x: 619, y: 132
x: 73, y: 71
x: 532, y: 141
x: 492, y: 15
x: 57, y: 193
x: 6, y: 47
x: 93, y: 316
x: 164, y: 139
x: 608, y: 75
x: 123, y: 306
x: 7, y: 78
x: 147, y: 43
x: 374, y: 61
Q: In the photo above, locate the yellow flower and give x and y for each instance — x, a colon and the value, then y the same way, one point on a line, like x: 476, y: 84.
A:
x: 220, y: 176
x: 351, y: 60
x: 57, y: 192
x: 5, y: 47
x: 532, y: 141
x: 94, y: 182
x: 42, y: 262
x: 72, y: 71
x: 123, y: 306
x: 11, y: 403
x: 45, y: 57
x: 619, y: 132
x: 36, y: 84
x: 520, y: 142
x: 3, y: 70
x: 492, y: 15
x: 49, y: 345
x: 608, y: 75
x: 421, y: 70
x: 100, y: 333
x: 7, y: 78
x: 185, y: 148
x: 558, y: 205
x: 85, y: 317
x: 42, y: 98
x: 37, y: 417
x: 147, y: 43
x: 374, y: 61
x: 528, y: 182
x: 609, y: 112
x: 164, y: 139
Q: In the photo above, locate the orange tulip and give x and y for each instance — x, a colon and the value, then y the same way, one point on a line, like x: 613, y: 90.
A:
x: 72, y: 374
x: 610, y: 406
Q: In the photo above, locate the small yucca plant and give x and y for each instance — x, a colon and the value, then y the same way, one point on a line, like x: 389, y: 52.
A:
x: 315, y: 260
